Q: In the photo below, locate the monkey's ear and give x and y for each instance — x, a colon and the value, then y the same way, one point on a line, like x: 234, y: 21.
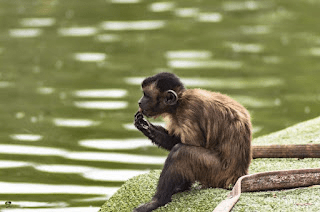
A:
x: 171, y: 97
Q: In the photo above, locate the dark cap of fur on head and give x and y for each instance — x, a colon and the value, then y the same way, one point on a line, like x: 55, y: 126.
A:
x: 164, y: 81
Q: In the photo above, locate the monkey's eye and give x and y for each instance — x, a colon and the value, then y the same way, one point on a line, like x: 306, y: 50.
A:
x: 146, y: 95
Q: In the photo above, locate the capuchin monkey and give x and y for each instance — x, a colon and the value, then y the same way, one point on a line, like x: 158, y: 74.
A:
x: 208, y: 135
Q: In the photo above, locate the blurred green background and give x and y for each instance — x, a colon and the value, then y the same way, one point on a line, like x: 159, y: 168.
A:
x: 70, y: 74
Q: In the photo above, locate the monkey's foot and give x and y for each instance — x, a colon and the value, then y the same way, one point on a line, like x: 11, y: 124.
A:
x: 148, y: 207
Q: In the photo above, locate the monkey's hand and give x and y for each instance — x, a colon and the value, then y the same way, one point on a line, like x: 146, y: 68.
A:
x: 143, y: 125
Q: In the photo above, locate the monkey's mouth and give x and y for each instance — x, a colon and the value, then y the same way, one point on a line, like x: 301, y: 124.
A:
x: 143, y: 112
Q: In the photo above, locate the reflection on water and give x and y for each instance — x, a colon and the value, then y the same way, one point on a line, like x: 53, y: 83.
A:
x: 125, y: 1
x: 61, y: 122
x: 115, y: 143
x: 241, y: 47
x: 133, y: 25
x: 25, y: 32
x: 101, y: 93
x: 92, y: 173
x: 90, y: 57
x: 45, y: 90
x: 70, y: 75
x: 108, y: 38
x: 102, y: 105
x: 82, y: 156
x: 63, y: 209
x: 33, y: 188
x: 189, y: 54
x: 4, y: 84
x: 245, y: 5
x: 187, y: 64
x: 116, y: 157
x: 161, y: 6
x: 187, y: 12
x: 26, y: 137
x: 209, y: 17
x: 86, y: 171
x: 77, y: 31
x: 258, y: 29
x: 315, y: 51
x: 37, y: 22
x: 29, y: 204
x: 12, y: 164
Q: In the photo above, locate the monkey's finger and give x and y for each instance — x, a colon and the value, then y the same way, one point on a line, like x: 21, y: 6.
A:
x: 138, y: 115
x: 144, y: 123
x: 138, y: 126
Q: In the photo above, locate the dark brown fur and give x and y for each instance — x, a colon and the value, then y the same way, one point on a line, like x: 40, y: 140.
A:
x: 220, y: 125
x: 208, y: 135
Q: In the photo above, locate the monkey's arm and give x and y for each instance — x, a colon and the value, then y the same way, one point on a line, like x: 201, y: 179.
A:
x: 157, y: 134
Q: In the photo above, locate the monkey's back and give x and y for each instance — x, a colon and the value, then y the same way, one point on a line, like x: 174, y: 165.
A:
x: 218, y: 123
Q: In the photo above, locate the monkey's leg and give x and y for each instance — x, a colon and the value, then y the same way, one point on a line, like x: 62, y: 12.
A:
x: 185, y: 164
x: 169, y: 183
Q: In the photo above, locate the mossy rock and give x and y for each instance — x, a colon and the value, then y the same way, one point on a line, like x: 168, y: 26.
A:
x: 140, y: 189
x: 307, y: 132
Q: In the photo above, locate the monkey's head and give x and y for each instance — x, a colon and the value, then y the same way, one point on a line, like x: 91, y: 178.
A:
x: 160, y: 94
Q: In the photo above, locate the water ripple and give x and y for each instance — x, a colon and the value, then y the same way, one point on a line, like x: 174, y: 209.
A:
x: 81, y: 156
x: 101, y: 105
x: 92, y: 173
x: 77, y: 31
x: 108, y: 38
x: 116, y: 157
x: 37, y: 22
x: 210, y: 17
x: 69, y: 209
x: 31, y: 204
x: 12, y: 164
x: 125, y: 1
x: 5, y: 84
x: 133, y: 25
x: 63, y: 122
x: 90, y: 56
x: 25, y: 32
x: 115, y: 143
x: 108, y: 175
x: 161, y: 6
x: 257, y: 29
x: 101, y: 93
x: 34, y: 188
x: 187, y: 12
x: 189, y: 64
x: 188, y: 54
x: 26, y: 137
x: 245, y: 5
x: 245, y: 47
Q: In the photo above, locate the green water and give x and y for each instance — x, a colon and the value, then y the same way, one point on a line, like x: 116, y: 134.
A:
x: 265, y: 54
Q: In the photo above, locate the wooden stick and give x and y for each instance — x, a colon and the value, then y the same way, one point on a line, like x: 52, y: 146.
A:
x: 269, y: 181
x: 287, y: 151
x: 277, y: 179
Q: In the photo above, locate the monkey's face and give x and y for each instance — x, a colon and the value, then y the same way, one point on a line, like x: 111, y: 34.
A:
x: 154, y: 103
